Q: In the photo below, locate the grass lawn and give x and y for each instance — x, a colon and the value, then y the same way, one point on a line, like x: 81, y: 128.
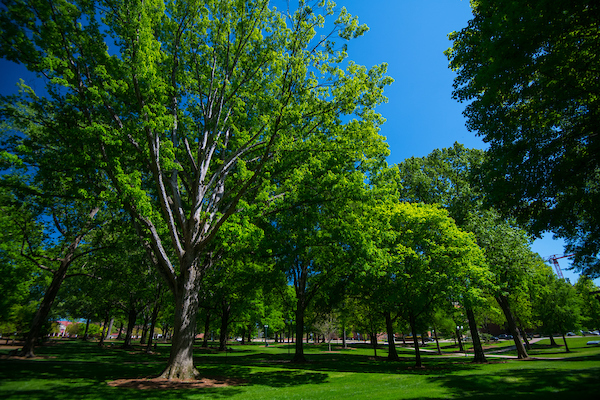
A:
x: 74, y: 370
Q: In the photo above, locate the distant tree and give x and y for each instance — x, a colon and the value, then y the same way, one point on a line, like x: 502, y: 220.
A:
x: 529, y: 72
x: 590, y: 302
x: 558, y: 307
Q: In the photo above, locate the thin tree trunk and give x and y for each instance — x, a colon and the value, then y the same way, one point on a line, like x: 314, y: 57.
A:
x: 104, y: 328
x: 392, y: 353
x: 478, y: 354
x: 131, y: 317
x: 87, y: 329
x: 459, y: 338
x: 206, y: 328
x: 437, y: 342
x: 510, y: 319
x: 226, y: 310
x: 552, y: 341
x: 374, y: 342
x: 249, y: 334
x: 413, y: 329
x: 344, y: 344
x: 566, y: 345
x: 153, y: 319
x: 120, y: 334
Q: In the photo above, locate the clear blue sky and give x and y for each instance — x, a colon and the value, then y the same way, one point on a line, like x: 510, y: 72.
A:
x: 411, y: 36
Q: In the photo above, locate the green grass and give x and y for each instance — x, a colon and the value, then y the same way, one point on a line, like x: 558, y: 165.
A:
x: 73, y: 370
x: 577, y: 346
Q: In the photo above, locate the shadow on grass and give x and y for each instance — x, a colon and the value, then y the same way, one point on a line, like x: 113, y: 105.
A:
x: 525, y: 383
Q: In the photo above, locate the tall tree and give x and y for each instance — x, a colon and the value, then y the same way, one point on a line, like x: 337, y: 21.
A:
x: 529, y: 72
x: 426, y: 259
x: 510, y: 259
x: 448, y: 177
x: 188, y: 105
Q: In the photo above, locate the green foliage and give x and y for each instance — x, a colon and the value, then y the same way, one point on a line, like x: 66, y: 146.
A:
x: 558, y: 306
x: 527, y: 70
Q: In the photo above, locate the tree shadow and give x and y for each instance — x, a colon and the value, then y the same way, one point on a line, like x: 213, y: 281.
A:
x: 525, y: 383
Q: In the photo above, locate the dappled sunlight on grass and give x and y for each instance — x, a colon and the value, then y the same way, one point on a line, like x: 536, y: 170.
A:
x: 82, y: 370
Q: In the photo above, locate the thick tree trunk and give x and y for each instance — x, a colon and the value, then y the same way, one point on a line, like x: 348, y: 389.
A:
x: 181, y: 358
x: 299, y: 347
x: 249, y: 334
x: 552, y: 341
x: 120, y: 334
x: 392, y: 353
x: 225, y: 313
x: 413, y: 329
x: 478, y: 354
x: 512, y: 326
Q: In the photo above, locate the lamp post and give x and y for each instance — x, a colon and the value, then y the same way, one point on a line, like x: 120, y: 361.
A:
x: 266, y: 333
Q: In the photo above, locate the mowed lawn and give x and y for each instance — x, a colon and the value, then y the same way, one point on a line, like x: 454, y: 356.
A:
x: 77, y: 370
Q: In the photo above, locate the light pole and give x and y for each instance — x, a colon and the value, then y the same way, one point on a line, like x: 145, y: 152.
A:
x: 266, y: 333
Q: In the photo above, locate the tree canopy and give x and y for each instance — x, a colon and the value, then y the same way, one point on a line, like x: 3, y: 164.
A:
x: 529, y: 72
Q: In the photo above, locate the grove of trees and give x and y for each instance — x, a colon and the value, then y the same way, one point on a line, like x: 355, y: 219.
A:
x: 216, y: 166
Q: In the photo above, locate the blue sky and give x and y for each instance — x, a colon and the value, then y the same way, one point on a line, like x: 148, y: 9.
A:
x: 411, y: 36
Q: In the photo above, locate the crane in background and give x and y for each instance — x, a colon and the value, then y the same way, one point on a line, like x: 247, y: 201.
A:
x: 554, y: 260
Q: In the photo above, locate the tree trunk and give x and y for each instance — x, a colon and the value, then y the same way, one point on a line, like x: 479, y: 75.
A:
x: 478, y: 354
x: 225, y: 312
x: 41, y: 315
x: 552, y: 341
x: 87, y: 328
x: 512, y: 326
x: 153, y: 319
x: 181, y: 358
x: 120, y: 334
x: 413, y: 329
x: 459, y: 338
x: 437, y: 342
x: 525, y: 339
x: 104, y: 328
x: 374, y: 342
x: 344, y: 345
x: 299, y: 347
x: 392, y: 353
x: 566, y: 345
x: 131, y: 318
x: 249, y: 334
x: 206, y: 329
x: 145, y: 328
x: 110, y: 326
